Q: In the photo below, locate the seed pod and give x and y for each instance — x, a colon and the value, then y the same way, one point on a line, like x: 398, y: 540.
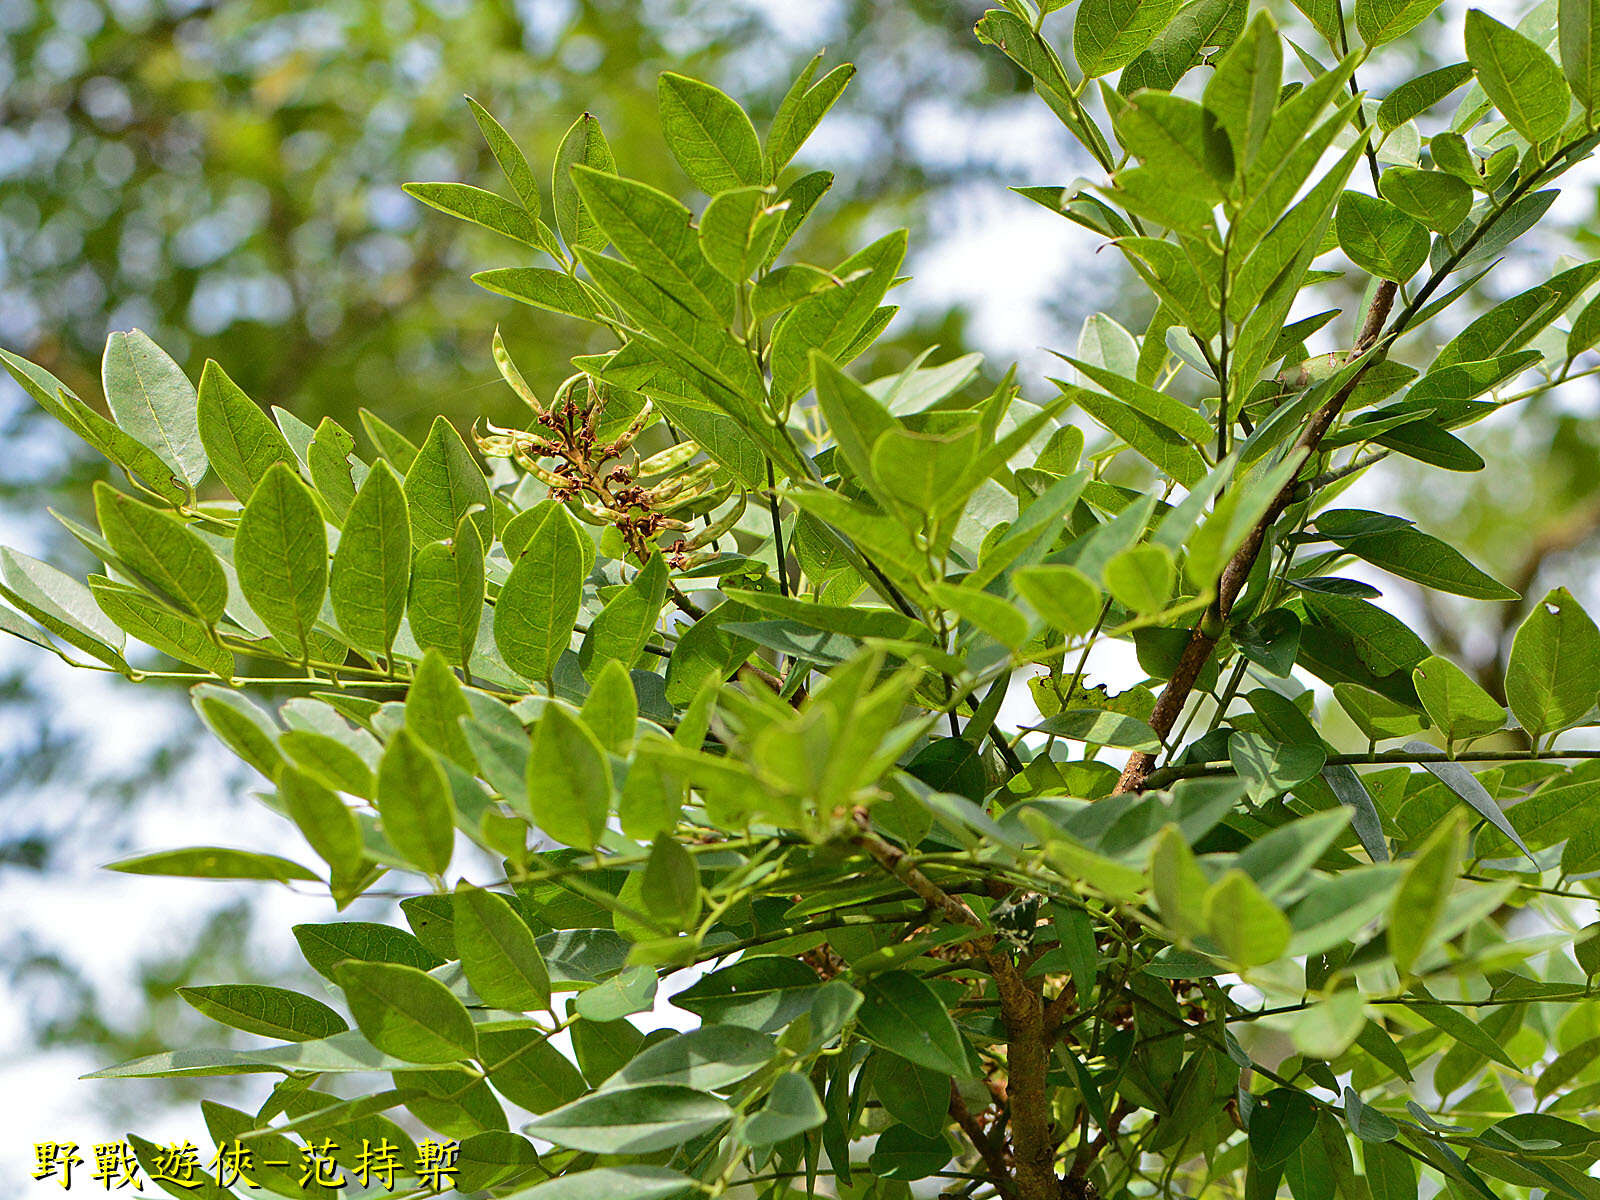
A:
x: 509, y: 372
x: 663, y: 461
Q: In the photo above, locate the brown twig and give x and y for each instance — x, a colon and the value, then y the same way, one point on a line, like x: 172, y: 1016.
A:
x: 1021, y: 1010
x: 1204, y: 637
x: 993, y: 1155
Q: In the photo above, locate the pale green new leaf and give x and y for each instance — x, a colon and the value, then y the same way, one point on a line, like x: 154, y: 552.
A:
x: 583, y: 145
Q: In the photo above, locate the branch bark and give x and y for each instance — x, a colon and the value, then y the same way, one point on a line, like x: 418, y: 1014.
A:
x: 1021, y: 1011
x: 1201, y: 643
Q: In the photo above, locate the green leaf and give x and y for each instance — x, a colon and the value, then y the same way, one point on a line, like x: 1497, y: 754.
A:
x: 709, y: 1058
x: 1380, y: 238
x: 613, y: 1183
x: 1148, y: 436
x: 1248, y: 927
x: 164, y: 550
x: 1179, y: 139
x: 62, y: 605
x: 1271, y: 768
x: 636, y: 1120
x: 1101, y: 728
x: 330, y: 460
x: 1141, y: 577
x: 1166, y: 410
x: 1416, y: 96
x: 326, y: 946
x: 407, y: 1013
x: 1380, y: 21
x: 115, y: 444
x: 671, y: 884
x: 802, y: 110
x: 902, y: 1014
x: 239, y: 439
x: 497, y: 951
x: 1555, y: 662
x: 213, y: 862
x: 584, y: 144
x: 1424, y: 894
x: 1518, y: 76
x: 517, y: 172
x: 1391, y: 1173
x: 1110, y: 33
x: 1063, y: 596
x: 656, y: 234
x: 153, y: 400
x: 1465, y: 785
x: 325, y: 820
x: 1397, y: 547
x: 1281, y: 1120
x: 622, y: 628
x: 538, y: 605
x: 569, y: 779
x: 169, y: 631
x: 527, y: 1070
x: 443, y: 485
x: 792, y: 1108
x: 1578, y: 21
x: 1243, y: 90
x: 541, y: 287
x: 281, y: 554
x: 708, y: 133
x: 1178, y: 47
x: 737, y: 229
x: 765, y: 992
x: 270, y: 1011
x: 1459, y: 707
x: 483, y: 208
x: 371, y: 571
x: 434, y: 709
x: 414, y: 803
x: 447, y: 586
x: 1439, y: 201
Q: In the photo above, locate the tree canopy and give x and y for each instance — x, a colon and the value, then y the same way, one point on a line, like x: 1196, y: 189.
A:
x: 686, y: 684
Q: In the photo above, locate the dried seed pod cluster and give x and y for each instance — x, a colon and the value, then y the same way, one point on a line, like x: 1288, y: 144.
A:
x: 606, y: 482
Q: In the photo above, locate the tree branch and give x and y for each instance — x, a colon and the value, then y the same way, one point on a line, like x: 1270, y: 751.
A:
x: 1201, y: 642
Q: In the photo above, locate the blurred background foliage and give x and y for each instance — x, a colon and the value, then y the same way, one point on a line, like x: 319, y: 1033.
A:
x: 226, y: 176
